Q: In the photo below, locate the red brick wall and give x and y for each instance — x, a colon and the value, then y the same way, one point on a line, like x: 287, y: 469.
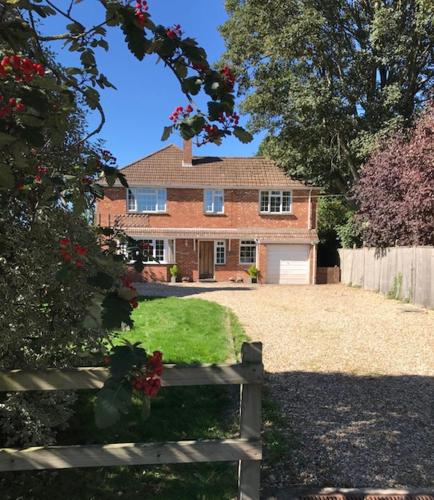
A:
x: 185, y: 209
x: 151, y: 272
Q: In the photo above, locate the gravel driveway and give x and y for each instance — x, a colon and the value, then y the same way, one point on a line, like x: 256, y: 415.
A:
x: 353, y: 373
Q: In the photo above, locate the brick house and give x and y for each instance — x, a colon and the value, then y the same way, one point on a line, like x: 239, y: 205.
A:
x: 216, y: 216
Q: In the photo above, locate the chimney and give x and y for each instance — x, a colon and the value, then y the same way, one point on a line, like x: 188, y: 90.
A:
x: 187, y: 159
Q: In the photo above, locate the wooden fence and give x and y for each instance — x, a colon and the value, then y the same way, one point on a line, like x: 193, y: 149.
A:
x: 247, y: 449
x: 405, y: 273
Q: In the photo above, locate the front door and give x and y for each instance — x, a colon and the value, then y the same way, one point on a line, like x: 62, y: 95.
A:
x: 206, y: 259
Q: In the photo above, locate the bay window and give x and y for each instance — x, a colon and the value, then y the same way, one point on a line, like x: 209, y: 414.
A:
x: 153, y: 251
x: 146, y: 200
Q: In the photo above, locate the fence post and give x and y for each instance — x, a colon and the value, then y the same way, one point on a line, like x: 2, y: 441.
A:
x: 249, y: 471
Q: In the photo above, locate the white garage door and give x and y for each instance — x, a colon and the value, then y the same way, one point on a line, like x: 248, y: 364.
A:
x: 288, y: 264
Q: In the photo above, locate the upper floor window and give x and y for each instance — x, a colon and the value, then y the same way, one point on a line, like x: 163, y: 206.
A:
x: 147, y: 200
x: 213, y: 201
x: 275, y: 202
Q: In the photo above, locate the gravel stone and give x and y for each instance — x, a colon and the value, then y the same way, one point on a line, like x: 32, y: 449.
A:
x: 353, y: 373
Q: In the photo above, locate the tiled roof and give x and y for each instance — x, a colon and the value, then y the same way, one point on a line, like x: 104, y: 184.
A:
x: 246, y: 233
x: 164, y: 168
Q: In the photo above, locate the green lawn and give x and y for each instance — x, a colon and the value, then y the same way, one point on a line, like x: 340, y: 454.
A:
x: 185, y: 330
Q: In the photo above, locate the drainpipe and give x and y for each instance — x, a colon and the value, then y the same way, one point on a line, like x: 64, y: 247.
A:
x: 309, y: 213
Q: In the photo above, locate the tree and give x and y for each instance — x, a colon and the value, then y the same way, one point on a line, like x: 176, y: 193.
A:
x: 327, y: 78
x: 395, y: 192
x: 337, y: 227
x: 63, y: 291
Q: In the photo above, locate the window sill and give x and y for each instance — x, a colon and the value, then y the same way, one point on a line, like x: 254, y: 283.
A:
x: 276, y: 213
x: 132, y: 262
x: 216, y: 214
x: 147, y: 213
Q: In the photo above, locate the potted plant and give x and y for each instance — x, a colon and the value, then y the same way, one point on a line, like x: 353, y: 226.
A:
x: 253, y: 273
x: 174, y: 271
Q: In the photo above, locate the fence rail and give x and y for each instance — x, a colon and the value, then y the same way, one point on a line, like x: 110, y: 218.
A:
x: 247, y: 450
x: 405, y: 273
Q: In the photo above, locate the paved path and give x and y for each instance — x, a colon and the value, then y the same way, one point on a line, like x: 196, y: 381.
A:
x: 353, y: 373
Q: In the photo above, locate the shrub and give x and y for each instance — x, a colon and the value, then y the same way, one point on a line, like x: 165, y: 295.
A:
x: 395, y: 192
x: 253, y: 271
x: 174, y: 270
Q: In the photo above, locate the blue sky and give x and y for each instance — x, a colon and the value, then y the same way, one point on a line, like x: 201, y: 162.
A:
x: 147, y: 92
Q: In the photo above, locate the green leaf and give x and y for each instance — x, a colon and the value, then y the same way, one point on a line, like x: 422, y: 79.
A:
x: 63, y: 274
x: 215, y: 109
x: 196, y: 123
x: 112, y: 401
x: 181, y: 68
x: 122, y: 179
x: 191, y: 85
x: 134, y: 35
x: 122, y: 361
x: 87, y: 58
x: 101, y: 280
x: 92, y: 97
x: 34, y: 136
x: 166, y: 133
x: 47, y: 83
x: 115, y: 312
x: 111, y: 175
x: 7, y: 179
x: 33, y: 121
x: 6, y: 139
x: 92, y: 320
x: 242, y: 134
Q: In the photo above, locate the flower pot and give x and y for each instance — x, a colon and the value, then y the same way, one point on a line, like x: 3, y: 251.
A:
x: 173, y: 279
x: 252, y: 279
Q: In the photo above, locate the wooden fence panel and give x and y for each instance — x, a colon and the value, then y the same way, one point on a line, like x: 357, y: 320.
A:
x: 176, y: 452
x: 247, y: 450
x: 404, y: 272
x: 249, y: 471
x: 93, y: 378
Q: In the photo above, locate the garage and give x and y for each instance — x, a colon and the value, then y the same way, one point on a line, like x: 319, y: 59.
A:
x: 288, y: 264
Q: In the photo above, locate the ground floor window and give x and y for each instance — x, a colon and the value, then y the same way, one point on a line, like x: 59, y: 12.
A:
x: 153, y: 251
x: 220, y: 252
x: 247, y: 252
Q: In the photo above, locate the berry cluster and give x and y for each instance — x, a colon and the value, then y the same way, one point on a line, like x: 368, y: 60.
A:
x: 229, y: 119
x: 23, y: 69
x: 211, y: 132
x: 12, y: 105
x: 180, y: 111
x: 127, y: 283
x: 140, y: 11
x: 69, y: 251
x: 174, y: 32
x: 228, y: 76
x: 148, y: 379
x: 42, y: 170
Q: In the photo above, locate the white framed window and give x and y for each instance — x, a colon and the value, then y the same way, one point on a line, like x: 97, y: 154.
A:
x: 247, y: 252
x: 153, y: 251
x: 220, y: 252
x: 146, y: 199
x: 213, y: 201
x: 275, y: 202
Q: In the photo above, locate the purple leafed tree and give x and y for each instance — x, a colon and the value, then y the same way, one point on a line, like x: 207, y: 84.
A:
x: 395, y: 192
